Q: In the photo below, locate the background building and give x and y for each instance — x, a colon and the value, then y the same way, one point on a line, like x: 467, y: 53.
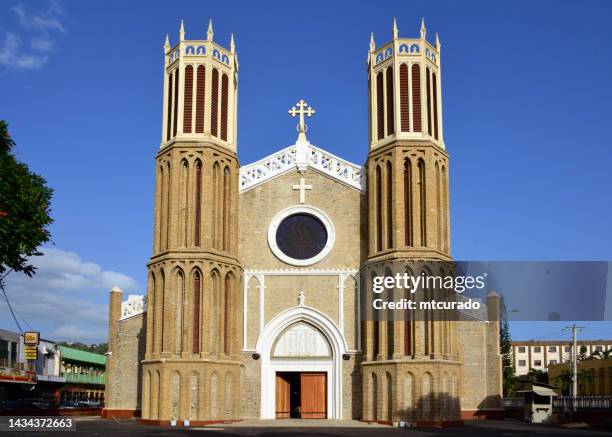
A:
x: 540, y: 354
x: 84, y: 373
x: 597, y: 382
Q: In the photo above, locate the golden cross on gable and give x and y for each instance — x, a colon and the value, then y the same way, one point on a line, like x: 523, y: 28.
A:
x: 304, y: 109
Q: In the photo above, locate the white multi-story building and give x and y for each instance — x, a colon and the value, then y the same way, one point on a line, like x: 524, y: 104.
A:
x: 540, y: 354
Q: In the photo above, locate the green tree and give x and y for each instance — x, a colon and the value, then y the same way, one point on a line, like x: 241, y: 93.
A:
x: 582, y: 355
x: 537, y: 375
x: 505, y: 343
x: 25, y: 210
x: 99, y: 348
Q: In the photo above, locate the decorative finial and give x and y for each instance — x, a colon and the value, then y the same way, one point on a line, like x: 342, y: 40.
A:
x: 182, y: 32
x: 302, y: 127
x: 167, y: 43
x: 372, y: 43
x: 210, y: 32
x: 232, y: 45
x: 395, y: 32
x: 438, y: 45
x: 301, y: 298
x: 423, y: 30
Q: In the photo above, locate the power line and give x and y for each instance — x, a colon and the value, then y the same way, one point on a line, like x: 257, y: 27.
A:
x: 10, y: 307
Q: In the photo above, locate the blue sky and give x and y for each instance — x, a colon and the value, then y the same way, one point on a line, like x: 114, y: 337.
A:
x: 526, y: 121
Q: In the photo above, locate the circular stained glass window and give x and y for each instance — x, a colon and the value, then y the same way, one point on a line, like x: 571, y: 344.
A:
x: 301, y: 236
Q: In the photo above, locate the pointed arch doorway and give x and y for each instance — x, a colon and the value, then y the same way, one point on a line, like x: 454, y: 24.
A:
x: 301, y: 368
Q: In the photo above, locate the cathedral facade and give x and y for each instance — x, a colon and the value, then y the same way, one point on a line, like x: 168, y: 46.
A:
x: 254, y: 307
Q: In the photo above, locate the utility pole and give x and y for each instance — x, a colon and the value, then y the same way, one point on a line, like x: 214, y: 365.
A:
x: 575, y: 330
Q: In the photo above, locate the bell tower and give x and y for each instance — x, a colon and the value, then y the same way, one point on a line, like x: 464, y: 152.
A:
x: 191, y: 365
x: 408, y: 361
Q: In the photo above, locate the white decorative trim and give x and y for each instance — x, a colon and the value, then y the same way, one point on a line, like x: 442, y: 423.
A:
x: 278, y: 218
x: 300, y: 156
x: 307, y: 271
x: 332, y: 367
x: 135, y: 305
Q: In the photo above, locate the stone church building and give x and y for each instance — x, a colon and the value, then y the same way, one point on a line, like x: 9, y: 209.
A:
x: 255, y: 286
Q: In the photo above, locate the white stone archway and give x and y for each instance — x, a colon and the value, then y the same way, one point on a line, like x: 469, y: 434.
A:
x: 333, y: 366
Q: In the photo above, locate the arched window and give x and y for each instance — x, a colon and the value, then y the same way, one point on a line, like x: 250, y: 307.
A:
x: 389, y: 396
x: 435, y: 104
x: 214, y: 103
x: 193, y: 394
x: 374, y: 397
x: 201, y: 78
x: 216, y: 205
x: 380, y: 106
x: 176, y: 93
x: 378, y: 208
x: 169, y: 109
x: 422, y: 203
x: 227, y: 314
x: 416, y: 97
x: 184, y: 186
x: 214, y: 312
x: 224, y: 106
x: 390, y: 120
x: 225, y: 200
x: 445, y: 209
x: 197, y: 292
x: 178, y: 319
x: 426, y: 394
x: 188, y: 99
x: 439, y: 213
x: 408, y: 393
x: 389, y: 205
x: 404, y: 98
x: 198, y: 204
x: 428, y: 97
x: 168, y: 204
x: 161, y: 303
x: 162, y: 208
x: 408, y: 328
x: 408, y: 240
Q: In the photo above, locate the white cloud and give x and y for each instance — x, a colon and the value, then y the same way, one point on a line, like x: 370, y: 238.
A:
x: 67, y: 299
x: 39, y: 27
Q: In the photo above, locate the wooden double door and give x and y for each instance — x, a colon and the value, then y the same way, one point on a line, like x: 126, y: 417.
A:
x: 301, y: 395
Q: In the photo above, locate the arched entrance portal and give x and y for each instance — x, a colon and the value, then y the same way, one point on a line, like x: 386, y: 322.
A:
x: 301, y: 365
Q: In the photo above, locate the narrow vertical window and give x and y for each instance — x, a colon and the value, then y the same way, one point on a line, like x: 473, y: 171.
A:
x: 168, y: 203
x: 161, y: 304
x: 428, y: 97
x: 378, y: 209
x: 201, y: 78
x: 216, y: 205
x: 408, y: 240
x: 439, y: 214
x: 435, y: 104
x: 404, y: 99
x: 196, y: 312
x: 416, y: 98
x: 188, y: 99
x: 390, y: 111
x: 422, y: 203
x: 162, y: 207
x: 224, y: 106
x: 380, y: 107
x: 214, y: 103
x: 445, y: 208
x: 178, y: 319
x: 184, y: 185
x: 389, y: 205
x: 198, y: 204
x: 169, y: 109
x: 227, y: 308
x: 408, y: 334
x: 176, y: 93
x: 226, y: 199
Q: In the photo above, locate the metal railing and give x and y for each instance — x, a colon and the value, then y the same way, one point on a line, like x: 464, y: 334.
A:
x: 84, y: 379
x: 583, y: 402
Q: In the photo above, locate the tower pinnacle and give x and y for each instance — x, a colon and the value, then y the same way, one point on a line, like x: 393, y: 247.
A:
x: 423, y: 30
x: 182, y: 31
x: 395, y: 31
x: 210, y: 32
x: 167, y: 43
x: 438, y: 45
x: 372, y: 43
x: 232, y: 44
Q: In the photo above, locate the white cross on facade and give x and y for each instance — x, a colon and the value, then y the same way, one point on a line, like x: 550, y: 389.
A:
x: 302, y: 105
x: 302, y: 187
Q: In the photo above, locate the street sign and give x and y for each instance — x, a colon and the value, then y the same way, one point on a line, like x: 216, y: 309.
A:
x: 31, y: 352
x: 31, y: 338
